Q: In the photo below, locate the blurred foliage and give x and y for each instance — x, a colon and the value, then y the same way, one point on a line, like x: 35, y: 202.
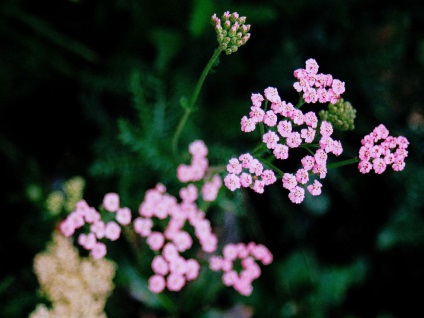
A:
x: 93, y: 89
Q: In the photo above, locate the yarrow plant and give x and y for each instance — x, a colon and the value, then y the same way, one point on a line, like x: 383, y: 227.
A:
x: 284, y: 127
x: 174, y: 229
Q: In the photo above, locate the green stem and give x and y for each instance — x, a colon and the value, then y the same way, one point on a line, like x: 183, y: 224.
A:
x: 342, y: 163
x: 190, y: 107
x: 279, y: 173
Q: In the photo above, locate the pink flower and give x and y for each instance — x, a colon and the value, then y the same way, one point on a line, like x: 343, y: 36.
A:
x: 98, y: 251
x: 364, y: 166
x: 177, y: 265
x: 143, y: 226
x: 302, y: 176
x: 234, y: 166
x: 156, y: 284
x: 76, y: 219
x: 338, y: 87
x: 308, y: 162
x: 230, y: 252
x: 288, y: 109
x: 326, y: 129
x: 258, y: 186
x: 311, y: 66
x: 88, y: 241
x: 379, y: 165
x: 232, y: 181
x: 320, y: 157
x: 229, y: 278
x: 182, y: 241
x: 170, y: 252
x: 210, y: 189
x: 123, y: 216
x: 289, y: 181
x: 284, y: 128
x: 281, y: 151
x: 308, y: 134
x: 247, y: 124
x: 310, y: 119
x: 98, y: 229
x: 268, y: 177
x: 184, y: 173
x: 245, y: 180
x: 320, y: 169
x: 256, y: 114
x: 91, y: 215
x: 215, y: 263
x: 246, y: 159
x: 270, y: 119
x: 67, y: 228
x: 175, y: 282
x: 111, y: 202
x: 297, y: 194
x: 315, y: 188
x: 271, y: 94
x: 155, y: 240
x: 294, y: 140
x: 189, y: 193
x: 160, y: 265
x: 192, y: 269
x: 198, y: 149
x: 271, y: 139
x: 112, y: 231
x: 257, y: 99
x: 310, y: 95
x: 297, y: 117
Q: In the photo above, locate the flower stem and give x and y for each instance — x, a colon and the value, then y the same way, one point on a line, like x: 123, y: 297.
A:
x: 342, y: 163
x: 189, y: 108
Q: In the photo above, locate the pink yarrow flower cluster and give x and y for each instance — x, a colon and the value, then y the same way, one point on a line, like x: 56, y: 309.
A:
x: 247, y: 255
x: 288, y: 128
x: 166, y: 225
x: 197, y: 171
x: 247, y: 171
x: 380, y: 150
x: 317, y: 87
x: 171, y: 269
x: 98, y: 229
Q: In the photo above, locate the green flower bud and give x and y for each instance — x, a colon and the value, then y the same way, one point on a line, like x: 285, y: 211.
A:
x: 341, y: 115
x: 231, y: 31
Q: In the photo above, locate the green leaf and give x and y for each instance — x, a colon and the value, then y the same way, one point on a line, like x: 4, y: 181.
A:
x: 167, y: 43
x: 138, y: 288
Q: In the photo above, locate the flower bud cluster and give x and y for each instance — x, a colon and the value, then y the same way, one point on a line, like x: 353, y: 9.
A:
x: 341, y: 115
x: 241, y: 280
x: 98, y: 228
x: 317, y: 87
x: 390, y: 151
x: 232, y: 32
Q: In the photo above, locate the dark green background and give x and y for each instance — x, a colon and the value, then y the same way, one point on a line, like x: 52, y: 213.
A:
x: 66, y: 72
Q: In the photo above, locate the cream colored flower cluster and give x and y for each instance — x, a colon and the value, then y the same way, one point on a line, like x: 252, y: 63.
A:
x: 77, y: 287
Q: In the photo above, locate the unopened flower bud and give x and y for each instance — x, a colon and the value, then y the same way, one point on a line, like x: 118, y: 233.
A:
x: 231, y: 31
x: 341, y: 115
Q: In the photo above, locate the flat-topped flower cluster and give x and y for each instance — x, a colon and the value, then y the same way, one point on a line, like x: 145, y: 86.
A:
x: 284, y: 127
x: 389, y: 151
x: 166, y: 224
